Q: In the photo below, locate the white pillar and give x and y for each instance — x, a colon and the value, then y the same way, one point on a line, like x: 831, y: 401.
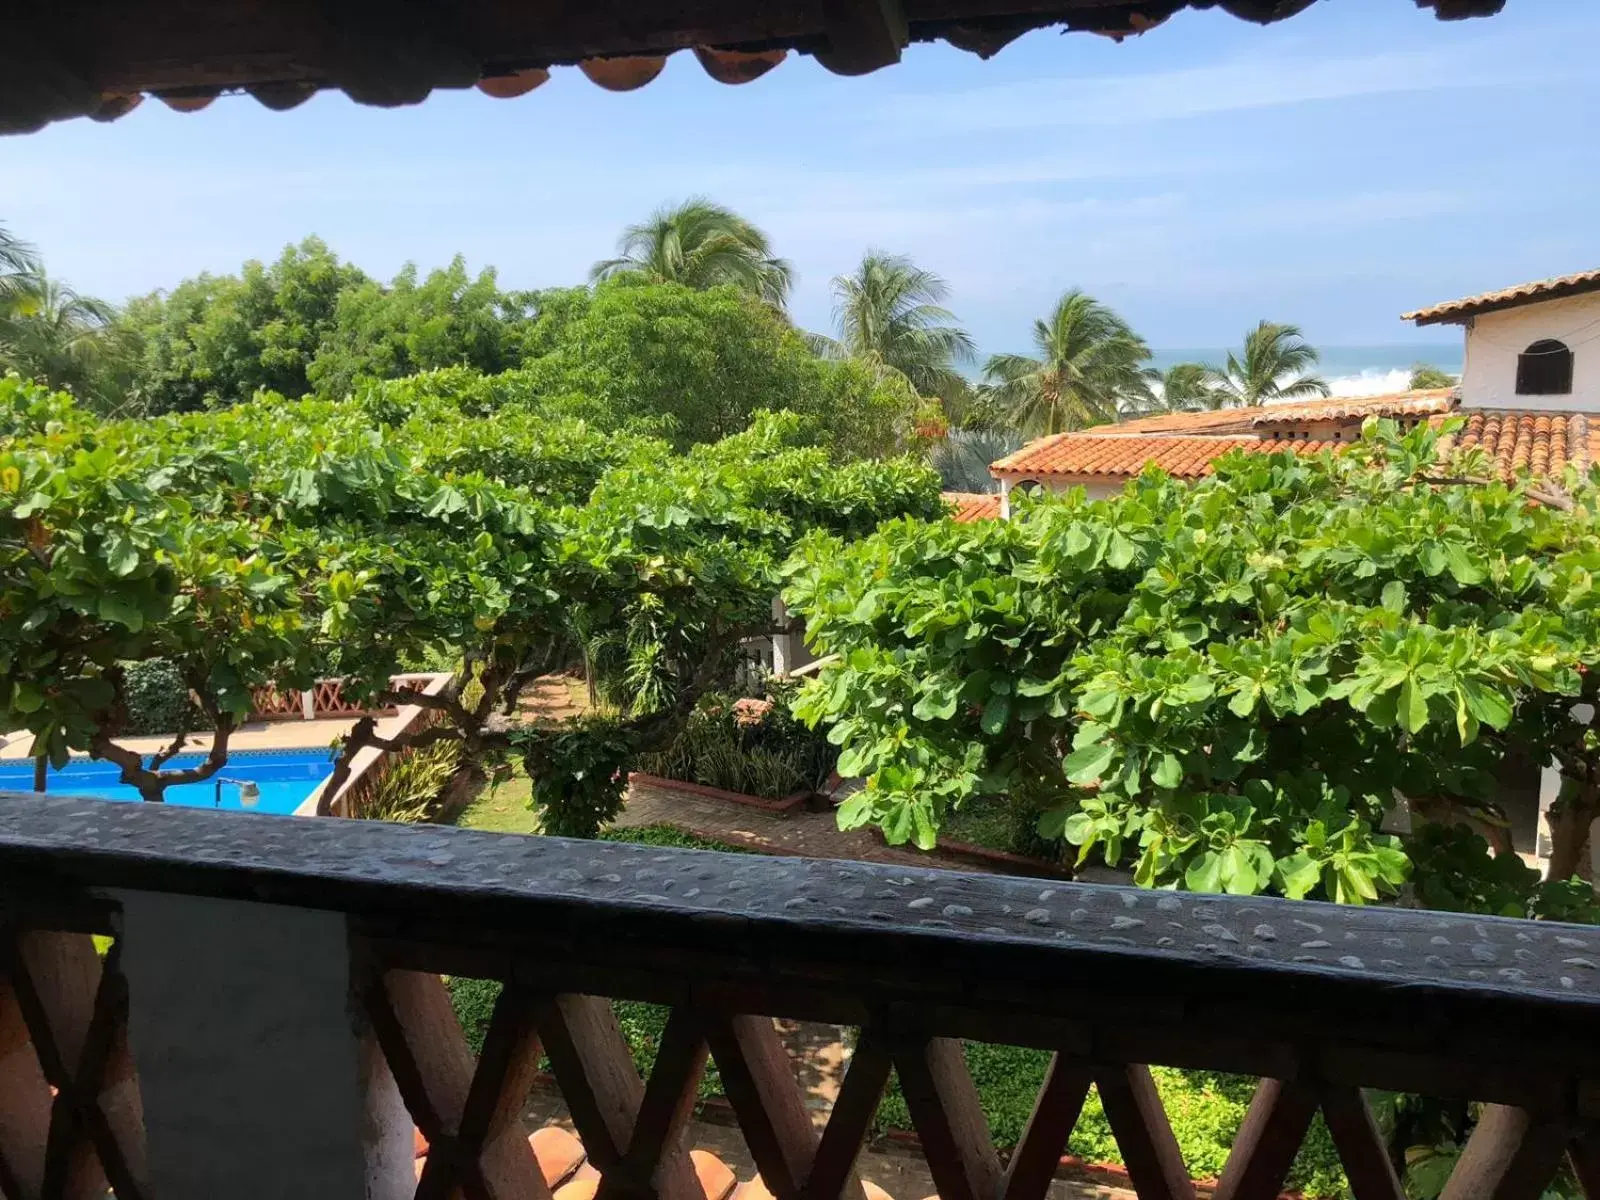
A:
x: 308, y: 705
x: 1549, y: 790
x: 257, y: 1081
x: 782, y: 649
x: 1005, y: 499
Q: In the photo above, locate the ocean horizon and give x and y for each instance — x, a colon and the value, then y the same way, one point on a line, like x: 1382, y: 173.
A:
x: 1349, y: 370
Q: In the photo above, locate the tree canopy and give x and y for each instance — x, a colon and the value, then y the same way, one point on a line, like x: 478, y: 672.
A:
x: 1425, y: 376
x: 279, y: 541
x: 1273, y: 365
x: 698, y: 364
x: 890, y: 314
x: 1223, y: 685
x: 1087, y: 367
x: 701, y: 245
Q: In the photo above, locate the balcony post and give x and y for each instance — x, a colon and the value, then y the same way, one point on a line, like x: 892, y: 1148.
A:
x: 259, y: 1080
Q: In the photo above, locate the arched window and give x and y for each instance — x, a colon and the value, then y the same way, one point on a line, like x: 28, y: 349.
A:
x: 1544, y: 369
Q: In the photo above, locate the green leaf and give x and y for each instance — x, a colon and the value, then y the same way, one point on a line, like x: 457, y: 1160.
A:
x: 936, y: 706
x: 1394, y: 596
x: 121, y: 555
x: 1413, y: 706
x: 995, y: 714
x: 1167, y: 772
x: 1489, y: 705
x: 1121, y: 551
x: 1052, y: 822
x: 1088, y: 763
x: 1465, y: 571
x: 114, y: 608
x: 1300, y: 874
x: 1204, y: 874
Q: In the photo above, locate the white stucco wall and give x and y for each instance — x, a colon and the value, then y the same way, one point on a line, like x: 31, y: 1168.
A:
x: 1097, y: 489
x: 1489, y: 376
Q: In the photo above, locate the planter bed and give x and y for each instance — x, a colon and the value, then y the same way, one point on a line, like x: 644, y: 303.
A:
x: 787, y: 805
x: 1000, y: 860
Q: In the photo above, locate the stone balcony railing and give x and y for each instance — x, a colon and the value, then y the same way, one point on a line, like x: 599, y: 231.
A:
x: 268, y: 1021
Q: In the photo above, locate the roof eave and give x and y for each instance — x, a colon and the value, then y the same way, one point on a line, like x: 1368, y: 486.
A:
x: 1460, y: 314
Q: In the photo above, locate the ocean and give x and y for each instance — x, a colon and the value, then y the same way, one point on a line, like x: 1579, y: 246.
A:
x: 1349, y: 370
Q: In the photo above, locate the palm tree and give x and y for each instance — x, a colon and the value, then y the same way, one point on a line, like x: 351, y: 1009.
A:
x: 51, y: 334
x: 700, y: 245
x: 1424, y: 375
x: 19, y: 264
x: 963, y: 458
x: 890, y: 314
x: 1088, y: 370
x: 1272, y: 367
x: 1188, y: 387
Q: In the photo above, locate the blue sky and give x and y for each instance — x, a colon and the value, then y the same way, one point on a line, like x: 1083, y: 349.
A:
x: 1332, y: 170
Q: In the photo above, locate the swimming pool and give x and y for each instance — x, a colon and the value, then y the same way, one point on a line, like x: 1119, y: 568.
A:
x: 285, y: 777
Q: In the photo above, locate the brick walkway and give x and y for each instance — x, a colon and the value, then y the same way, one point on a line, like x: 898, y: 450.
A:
x: 801, y: 833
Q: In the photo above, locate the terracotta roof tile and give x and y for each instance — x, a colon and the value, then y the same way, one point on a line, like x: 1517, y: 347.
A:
x: 1523, y: 293
x: 1423, y: 402
x: 1080, y: 455
x: 1332, y: 408
x: 973, y: 506
x: 1543, y: 443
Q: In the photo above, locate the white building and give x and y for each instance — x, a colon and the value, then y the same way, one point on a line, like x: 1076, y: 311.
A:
x: 1533, y: 346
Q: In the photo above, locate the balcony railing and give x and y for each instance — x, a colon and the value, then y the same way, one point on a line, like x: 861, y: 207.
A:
x: 269, y: 1022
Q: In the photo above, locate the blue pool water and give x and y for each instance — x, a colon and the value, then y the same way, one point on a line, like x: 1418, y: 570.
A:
x: 285, y: 777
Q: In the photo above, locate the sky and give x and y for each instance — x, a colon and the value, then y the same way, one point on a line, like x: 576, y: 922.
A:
x: 1333, y: 170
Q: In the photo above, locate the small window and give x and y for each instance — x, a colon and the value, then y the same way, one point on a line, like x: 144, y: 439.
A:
x: 1544, y: 369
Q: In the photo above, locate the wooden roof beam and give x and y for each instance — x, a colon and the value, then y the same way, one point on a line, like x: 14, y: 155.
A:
x: 37, y: 85
x: 393, y: 52
x: 863, y: 35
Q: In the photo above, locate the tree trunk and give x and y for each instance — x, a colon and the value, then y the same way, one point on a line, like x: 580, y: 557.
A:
x: 1569, y: 833
x: 41, y: 772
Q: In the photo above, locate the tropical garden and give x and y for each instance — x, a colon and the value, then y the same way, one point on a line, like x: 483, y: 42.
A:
x: 1305, y: 675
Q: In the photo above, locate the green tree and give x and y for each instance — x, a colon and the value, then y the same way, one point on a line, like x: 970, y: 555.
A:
x: 1272, y: 366
x: 19, y: 263
x: 701, y: 245
x: 281, y: 541
x: 448, y: 319
x: 1086, y: 368
x: 1223, y: 686
x: 963, y: 457
x: 704, y: 362
x: 890, y: 314
x: 217, y: 340
x: 102, y: 563
x: 55, y: 336
x: 1188, y: 387
x: 1424, y: 376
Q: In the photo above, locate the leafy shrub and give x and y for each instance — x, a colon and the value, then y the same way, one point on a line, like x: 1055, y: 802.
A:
x: 579, y: 775
x: 771, y: 755
x: 412, y: 787
x: 158, y: 700
x: 1206, y: 1109
x: 1009, y: 823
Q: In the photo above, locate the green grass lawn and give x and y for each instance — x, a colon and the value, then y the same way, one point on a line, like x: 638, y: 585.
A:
x: 503, y: 809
